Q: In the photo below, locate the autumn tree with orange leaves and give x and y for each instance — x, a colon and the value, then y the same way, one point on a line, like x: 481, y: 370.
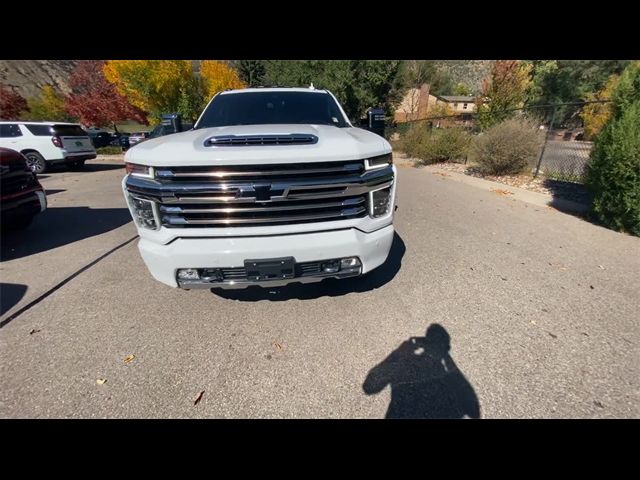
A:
x: 596, y: 115
x: 503, y: 90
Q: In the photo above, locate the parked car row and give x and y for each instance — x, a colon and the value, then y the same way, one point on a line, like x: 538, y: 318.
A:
x: 30, y: 148
x: 48, y: 143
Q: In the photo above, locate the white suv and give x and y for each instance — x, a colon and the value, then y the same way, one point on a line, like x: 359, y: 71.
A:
x: 46, y: 143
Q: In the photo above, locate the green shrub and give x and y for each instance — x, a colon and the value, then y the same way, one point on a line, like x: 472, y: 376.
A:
x: 508, y: 147
x: 111, y: 150
x: 411, y: 139
x: 613, y: 173
x: 628, y: 88
x: 433, y: 146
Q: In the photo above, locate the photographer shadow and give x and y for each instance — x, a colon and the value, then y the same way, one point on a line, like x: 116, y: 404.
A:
x: 425, y: 381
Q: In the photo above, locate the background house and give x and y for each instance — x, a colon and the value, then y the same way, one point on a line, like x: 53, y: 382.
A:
x: 419, y: 103
x: 459, y: 103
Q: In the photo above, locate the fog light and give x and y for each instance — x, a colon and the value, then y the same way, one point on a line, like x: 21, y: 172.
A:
x: 380, y: 202
x: 142, y: 212
x: 331, y: 266
x: 188, y: 274
x: 349, y: 262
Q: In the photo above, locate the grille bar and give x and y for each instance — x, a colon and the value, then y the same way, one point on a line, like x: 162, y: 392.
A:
x: 262, y: 208
x: 169, y: 220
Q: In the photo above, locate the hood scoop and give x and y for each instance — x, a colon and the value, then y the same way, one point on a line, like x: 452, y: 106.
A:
x: 254, y: 140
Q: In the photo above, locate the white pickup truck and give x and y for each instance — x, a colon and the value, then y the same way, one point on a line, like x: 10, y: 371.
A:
x: 271, y: 186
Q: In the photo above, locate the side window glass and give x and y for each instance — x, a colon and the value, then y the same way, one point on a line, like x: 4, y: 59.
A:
x: 10, y: 130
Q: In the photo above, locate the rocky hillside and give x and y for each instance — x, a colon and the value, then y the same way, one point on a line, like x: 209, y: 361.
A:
x: 27, y: 77
x: 469, y: 72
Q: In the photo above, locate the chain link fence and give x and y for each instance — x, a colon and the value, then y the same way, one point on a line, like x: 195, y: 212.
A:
x: 563, y: 156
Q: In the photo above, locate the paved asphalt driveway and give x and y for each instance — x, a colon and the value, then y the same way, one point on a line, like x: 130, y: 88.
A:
x: 487, y: 307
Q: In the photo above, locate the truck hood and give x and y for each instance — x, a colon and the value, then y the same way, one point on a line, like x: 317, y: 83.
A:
x: 188, y: 148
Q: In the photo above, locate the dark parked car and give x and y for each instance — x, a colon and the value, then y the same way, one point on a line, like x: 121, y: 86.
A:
x: 100, y: 139
x: 127, y: 141
x: 21, y: 195
x: 161, y: 130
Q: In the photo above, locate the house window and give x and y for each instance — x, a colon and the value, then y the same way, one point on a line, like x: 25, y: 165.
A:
x: 464, y: 107
x: 455, y: 105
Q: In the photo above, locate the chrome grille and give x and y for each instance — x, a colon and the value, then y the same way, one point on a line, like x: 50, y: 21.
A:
x: 260, y: 195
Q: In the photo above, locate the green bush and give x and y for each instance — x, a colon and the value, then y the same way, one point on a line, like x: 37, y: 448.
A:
x: 628, y: 90
x: 111, y: 150
x: 508, y: 147
x: 411, y: 140
x: 433, y: 146
x: 613, y: 173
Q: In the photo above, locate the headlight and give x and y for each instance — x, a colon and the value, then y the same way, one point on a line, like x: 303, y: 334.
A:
x: 142, y: 212
x: 379, y: 161
x: 380, y: 201
x: 139, y: 170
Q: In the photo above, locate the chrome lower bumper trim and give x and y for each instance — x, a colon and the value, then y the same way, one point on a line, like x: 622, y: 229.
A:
x: 231, y: 285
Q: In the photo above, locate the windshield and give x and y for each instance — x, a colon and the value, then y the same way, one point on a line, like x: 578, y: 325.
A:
x: 268, y: 108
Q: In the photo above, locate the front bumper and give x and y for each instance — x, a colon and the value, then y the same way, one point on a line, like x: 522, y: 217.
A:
x: 163, y: 261
x: 15, y: 207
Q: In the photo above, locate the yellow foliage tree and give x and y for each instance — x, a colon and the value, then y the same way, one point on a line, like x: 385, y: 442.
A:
x: 49, y: 106
x: 218, y: 76
x: 596, y: 115
x: 157, y: 86
x: 168, y: 86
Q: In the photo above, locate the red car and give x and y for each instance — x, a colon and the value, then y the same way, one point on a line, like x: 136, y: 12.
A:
x: 21, y: 195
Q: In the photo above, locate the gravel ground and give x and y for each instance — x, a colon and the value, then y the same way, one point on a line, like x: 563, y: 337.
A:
x: 569, y: 191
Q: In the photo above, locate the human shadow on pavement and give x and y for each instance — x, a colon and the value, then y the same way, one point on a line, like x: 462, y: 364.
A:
x: 326, y: 288
x: 10, y: 294
x: 60, y: 226
x: 425, y: 381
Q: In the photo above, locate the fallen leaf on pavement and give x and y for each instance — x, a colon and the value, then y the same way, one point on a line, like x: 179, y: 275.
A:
x: 277, y: 346
x: 198, y: 398
x: 600, y: 267
x: 129, y: 358
x: 101, y: 381
x: 35, y: 330
x: 500, y: 191
x: 552, y: 335
x: 533, y: 322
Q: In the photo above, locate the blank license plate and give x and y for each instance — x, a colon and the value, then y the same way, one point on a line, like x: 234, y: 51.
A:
x: 270, y: 269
